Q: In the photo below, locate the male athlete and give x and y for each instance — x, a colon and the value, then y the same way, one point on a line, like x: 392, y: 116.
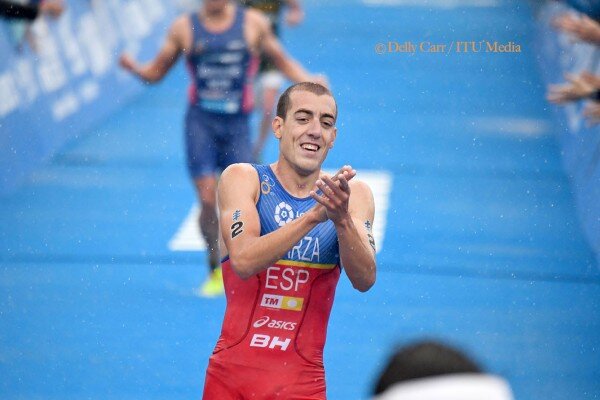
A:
x: 289, y: 230
x: 221, y: 43
x: 270, y: 80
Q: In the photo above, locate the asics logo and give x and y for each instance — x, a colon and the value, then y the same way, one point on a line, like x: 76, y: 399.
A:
x: 261, y: 322
x: 275, y: 324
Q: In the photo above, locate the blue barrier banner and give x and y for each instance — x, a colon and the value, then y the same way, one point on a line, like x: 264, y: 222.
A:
x: 580, y: 142
x: 60, y: 76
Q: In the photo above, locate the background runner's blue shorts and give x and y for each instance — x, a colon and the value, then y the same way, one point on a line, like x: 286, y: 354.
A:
x: 214, y: 141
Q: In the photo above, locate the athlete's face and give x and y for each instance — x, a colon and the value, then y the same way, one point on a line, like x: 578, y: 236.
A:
x: 308, y: 131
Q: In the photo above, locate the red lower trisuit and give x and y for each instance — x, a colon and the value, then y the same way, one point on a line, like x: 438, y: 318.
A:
x: 273, y: 335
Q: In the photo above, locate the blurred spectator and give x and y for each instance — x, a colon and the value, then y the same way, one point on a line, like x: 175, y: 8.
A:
x: 583, y: 86
x: 578, y: 87
x: 429, y: 370
x: 592, y: 112
x: 589, y: 7
x: 15, y: 10
x: 579, y: 26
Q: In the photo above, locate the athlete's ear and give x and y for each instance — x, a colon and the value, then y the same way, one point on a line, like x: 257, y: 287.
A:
x: 276, y: 125
x: 334, y: 135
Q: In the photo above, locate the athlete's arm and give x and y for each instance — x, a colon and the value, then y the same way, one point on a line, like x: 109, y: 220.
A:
x: 352, y: 216
x: 268, y: 44
x: 250, y: 253
x: 156, y: 69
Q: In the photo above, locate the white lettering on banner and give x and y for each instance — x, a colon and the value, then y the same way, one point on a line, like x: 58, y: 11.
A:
x: 70, y: 45
x: 65, y: 106
x: 9, y: 100
x: 286, y: 280
x: 50, y: 69
x: 25, y: 77
x: 135, y: 20
x: 154, y: 10
x: 310, y: 253
x: 263, y: 341
x: 109, y: 25
x: 97, y: 53
x: 89, y: 90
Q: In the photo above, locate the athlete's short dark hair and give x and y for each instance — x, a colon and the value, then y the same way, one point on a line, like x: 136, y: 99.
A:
x: 421, y: 360
x: 284, y: 103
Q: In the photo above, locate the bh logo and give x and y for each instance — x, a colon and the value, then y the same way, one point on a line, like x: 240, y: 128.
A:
x: 283, y: 213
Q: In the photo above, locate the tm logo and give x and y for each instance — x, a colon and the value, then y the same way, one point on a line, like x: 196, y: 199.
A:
x: 282, y: 302
x: 283, y: 213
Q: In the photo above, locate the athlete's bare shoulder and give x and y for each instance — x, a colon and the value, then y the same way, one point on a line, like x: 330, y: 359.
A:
x: 240, y: 176
x: 361, y: 197
x: 180, y: 32
x: 356, y: 185
x: 239, y: 170
x: 181, y: 22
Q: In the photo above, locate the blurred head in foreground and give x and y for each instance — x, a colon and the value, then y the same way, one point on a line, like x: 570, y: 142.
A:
x: 429, y: 370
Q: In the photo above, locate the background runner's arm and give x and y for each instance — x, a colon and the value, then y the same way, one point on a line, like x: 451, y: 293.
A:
x: 250, y: 253
x: 156, y: 69
x: 272, y: 47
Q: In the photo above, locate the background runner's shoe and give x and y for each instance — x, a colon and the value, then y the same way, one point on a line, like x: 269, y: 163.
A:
x: 213, y: 286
